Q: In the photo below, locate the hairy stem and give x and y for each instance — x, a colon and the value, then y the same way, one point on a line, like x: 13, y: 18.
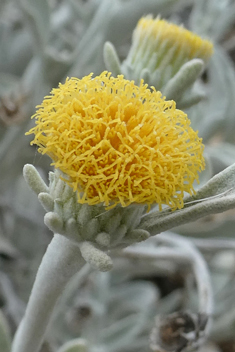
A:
x: 60, y: 262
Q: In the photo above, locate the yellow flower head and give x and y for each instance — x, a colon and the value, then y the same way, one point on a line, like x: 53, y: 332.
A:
x: 118, y: 143
x: 184, y: 42
x: 163, y: 47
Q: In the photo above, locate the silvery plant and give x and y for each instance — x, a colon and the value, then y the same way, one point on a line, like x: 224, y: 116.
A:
x: 82, y: 270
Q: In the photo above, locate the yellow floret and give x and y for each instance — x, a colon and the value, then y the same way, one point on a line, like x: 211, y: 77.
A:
x: 118, y: 143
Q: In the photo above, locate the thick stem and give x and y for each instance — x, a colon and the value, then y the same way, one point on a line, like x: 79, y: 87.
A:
x: 60, y: 262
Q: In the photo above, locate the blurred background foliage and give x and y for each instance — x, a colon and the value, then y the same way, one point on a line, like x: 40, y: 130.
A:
x: 41, y: 43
